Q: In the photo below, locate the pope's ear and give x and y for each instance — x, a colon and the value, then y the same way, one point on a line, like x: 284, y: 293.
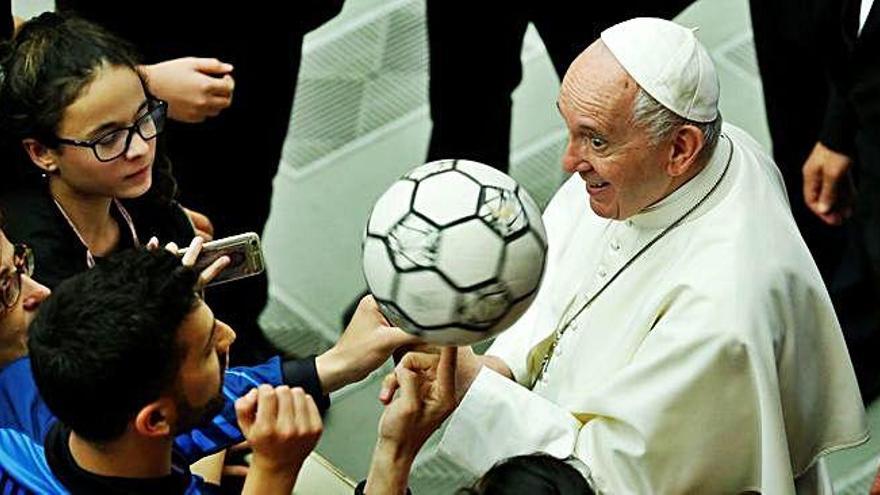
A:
x: 687, y: 142
x: 44, y: 157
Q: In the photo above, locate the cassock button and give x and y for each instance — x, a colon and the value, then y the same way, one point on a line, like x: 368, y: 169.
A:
x: 615, y: 245
x: 601, y: 272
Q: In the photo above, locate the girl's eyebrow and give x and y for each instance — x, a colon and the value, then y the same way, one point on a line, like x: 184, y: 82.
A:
x: 116, y: 125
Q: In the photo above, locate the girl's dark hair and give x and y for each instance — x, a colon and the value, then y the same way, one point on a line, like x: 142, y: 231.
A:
x: 46, y: 67
x: 535, y: 474
x: 43, y: 70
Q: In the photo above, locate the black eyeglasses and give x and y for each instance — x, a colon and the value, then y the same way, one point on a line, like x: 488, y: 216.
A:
x: 115, y: 143
x: 10, y: 284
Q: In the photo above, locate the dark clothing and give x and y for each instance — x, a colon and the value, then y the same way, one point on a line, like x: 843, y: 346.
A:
x: 822, y: 83
x: 33, y: 218
x: 855, y: 96
x: 80, y: 481
x: 7, y: 25
x: 794, y: 39
x: 852, y: 118
x: 359, y: 489
x: 225, y: 166
x: 852, y: 126
x: 474, y: 65
x: 30, y: 435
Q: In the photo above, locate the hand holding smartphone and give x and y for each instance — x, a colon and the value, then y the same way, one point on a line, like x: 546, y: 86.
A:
x: 243, y: 250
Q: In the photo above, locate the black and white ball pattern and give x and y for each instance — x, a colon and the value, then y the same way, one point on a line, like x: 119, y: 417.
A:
x: 454, y: 252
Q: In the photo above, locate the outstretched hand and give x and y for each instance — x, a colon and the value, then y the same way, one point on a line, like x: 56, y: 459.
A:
x: 366, y: 344
x: 426, y: 396
x: 467, y: 367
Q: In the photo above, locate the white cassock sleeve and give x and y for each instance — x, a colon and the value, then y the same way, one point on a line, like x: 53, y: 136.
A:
x: 498, y: 419
x: 683, y: 416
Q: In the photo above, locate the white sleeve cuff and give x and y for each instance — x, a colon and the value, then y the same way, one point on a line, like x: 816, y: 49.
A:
x: 498, y: 419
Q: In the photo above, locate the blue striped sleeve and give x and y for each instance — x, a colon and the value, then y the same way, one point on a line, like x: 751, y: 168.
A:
x: 222, y: 432
x: 23, y: 467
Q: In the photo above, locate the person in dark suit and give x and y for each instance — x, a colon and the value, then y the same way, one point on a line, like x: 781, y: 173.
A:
x: 846, y: 158
x: 197, y: 55
x: 793, y: 39
x: 474, y: 65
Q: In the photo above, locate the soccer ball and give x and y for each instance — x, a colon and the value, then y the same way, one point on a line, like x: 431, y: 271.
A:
x: 454, y: 252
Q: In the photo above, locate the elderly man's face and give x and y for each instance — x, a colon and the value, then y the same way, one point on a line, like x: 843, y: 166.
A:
x: 623, y: 170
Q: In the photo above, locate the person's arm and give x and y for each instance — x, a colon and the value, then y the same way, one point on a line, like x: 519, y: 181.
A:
x: 195, y: 88
x: 223, y: 431
x: 366, y: 344
x: 282, y: 426
x: 365, y: 348
x: 426, y: 385
x: 840, y: 121
x: 827, y: 188
x: 389, y: 471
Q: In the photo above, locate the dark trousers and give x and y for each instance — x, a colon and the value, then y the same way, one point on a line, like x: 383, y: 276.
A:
x: 474, y: 50
x: 856, y: 292
x: 792, y: 40
x: 791, y: 37
x: 225, y: 167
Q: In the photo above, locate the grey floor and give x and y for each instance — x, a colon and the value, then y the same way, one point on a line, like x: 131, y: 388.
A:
x: 360, y: 120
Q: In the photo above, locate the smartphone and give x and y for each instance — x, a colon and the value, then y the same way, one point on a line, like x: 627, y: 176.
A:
x: 245, y: 257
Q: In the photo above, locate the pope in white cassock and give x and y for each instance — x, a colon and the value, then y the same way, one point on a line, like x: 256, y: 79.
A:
x: 682, y: 340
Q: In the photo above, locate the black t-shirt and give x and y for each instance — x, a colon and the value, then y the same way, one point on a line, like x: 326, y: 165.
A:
x: 80, y: 481
x: 34, y: 219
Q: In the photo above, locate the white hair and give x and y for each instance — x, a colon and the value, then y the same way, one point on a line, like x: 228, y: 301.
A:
x: 661, y: 122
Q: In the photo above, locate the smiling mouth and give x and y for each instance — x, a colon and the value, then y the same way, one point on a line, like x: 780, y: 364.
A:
x: 596, y: 185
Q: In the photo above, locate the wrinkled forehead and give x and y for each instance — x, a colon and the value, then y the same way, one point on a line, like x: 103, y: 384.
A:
x: 596, y: 83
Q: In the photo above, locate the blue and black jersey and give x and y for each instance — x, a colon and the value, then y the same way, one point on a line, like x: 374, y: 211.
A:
x: 26, y: 424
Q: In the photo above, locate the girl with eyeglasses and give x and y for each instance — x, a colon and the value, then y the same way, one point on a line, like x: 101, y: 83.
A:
x: 82, y: 177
